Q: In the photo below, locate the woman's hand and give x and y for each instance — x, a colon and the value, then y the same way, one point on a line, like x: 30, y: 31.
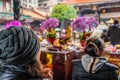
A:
x: 50, y: 73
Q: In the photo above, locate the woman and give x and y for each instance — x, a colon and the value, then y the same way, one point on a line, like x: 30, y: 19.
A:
x: 92, y: 66
x: 20, y: 55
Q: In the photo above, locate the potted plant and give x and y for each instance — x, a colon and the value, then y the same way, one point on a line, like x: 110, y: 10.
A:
x: 50, y: 25
x: 51, y: 36
x: 84, y: 26
x: 83, y: 36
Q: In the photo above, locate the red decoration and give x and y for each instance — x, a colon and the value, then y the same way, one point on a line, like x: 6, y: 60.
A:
x: 82, y: 42
x: 51, y: 40
x: 83, y: 36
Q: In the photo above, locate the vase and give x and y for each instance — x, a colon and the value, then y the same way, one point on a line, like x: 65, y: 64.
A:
x: 82, y: 42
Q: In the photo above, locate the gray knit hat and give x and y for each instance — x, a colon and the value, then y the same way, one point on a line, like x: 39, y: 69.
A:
x: 18, y: 46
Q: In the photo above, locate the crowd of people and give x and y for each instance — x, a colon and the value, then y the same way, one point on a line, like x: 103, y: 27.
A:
x: 20, y: 56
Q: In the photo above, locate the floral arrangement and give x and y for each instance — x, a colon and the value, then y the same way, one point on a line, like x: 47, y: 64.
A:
x: 14, y: 23
x: 51, y: 33
x: 83, y: 23
x: 92, y: 22
x: 64, y: 40
x: 84, y: 35
x: 51, y: 36
x: 50, y: 23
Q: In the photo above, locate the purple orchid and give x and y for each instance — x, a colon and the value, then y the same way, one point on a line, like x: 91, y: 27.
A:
x: 50, y: 23
x: 83, y: 23
x: 14, y: 23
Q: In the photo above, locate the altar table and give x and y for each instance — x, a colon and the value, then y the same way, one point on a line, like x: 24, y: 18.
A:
x: 60, y: 62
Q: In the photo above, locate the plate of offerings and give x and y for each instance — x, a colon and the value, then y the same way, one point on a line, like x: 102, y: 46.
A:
x: 113, y: 49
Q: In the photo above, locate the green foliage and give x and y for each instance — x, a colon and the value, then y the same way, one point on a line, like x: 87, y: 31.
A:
x: 64, y: 40
x: 84, y: 35
x: 51, y: 35
x: 63, y: 12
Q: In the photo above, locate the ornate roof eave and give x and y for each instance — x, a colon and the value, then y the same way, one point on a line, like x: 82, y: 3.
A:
x: 90, y: 2
x: 113, y: 6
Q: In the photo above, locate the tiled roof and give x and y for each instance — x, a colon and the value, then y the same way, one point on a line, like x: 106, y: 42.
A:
x: 86, y: 1
x: 32, y: 14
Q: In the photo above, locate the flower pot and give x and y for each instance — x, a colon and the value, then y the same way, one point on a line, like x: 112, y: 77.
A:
x: 51, y: 40
x: 82, y: 42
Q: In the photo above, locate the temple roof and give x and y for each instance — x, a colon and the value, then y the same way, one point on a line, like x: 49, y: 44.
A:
x: 86, y: 1
x: 34, y: 14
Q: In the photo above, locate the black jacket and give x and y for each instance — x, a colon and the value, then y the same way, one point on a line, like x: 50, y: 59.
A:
x: 114, y: 34
x: 106, y: 72
x: 10, y: 72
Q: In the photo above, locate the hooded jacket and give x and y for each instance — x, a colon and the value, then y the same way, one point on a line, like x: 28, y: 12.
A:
x: 102, y: 70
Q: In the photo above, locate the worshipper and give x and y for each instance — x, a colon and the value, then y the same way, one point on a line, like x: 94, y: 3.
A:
x: 114, y: 33
x: 20, y: 55
x: 92, y: 66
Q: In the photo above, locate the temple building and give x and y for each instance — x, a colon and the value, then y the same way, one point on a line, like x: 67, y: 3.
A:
x: 101, y: 9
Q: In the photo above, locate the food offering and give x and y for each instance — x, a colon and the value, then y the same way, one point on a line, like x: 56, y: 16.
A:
x: 113, y: 49
x: 112, y: 53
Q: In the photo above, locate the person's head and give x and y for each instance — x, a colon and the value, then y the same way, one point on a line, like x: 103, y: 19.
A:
x: 35, y: 25
x: 94, y: 47
x: 116, y: 21
x: 19, y: 46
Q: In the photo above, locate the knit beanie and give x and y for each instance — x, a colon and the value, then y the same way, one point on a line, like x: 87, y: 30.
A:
x: 18, y: 46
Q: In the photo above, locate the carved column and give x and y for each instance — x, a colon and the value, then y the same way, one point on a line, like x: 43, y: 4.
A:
x: 16, y: 9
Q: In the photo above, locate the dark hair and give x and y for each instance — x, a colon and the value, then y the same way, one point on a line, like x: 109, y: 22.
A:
x: 94, y: 46
x: 104, y: 30
x: 116, y: 21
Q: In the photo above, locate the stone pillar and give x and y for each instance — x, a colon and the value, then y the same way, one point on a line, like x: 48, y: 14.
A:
x: 16, y: 9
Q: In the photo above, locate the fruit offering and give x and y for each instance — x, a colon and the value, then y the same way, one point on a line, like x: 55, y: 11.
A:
x: 111, y: 49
